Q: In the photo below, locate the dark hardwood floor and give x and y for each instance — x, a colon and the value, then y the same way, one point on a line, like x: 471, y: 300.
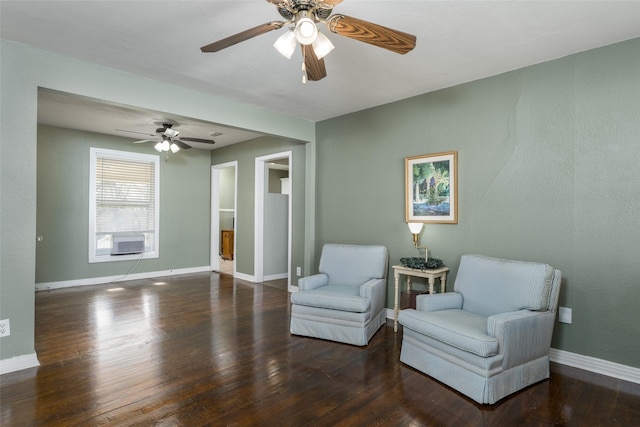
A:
x: 205, y: 349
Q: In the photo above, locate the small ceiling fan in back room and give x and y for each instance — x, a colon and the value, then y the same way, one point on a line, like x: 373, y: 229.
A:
x: 303, y: 16
x: 168, y: 139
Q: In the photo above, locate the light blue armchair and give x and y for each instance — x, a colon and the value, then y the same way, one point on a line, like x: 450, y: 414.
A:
x: 345, y: 301
x: 491, y: 336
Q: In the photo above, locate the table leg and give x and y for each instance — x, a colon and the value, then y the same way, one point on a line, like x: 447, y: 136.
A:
x: 443, y: 282
x: 396, y: 278
x: 432, y: 281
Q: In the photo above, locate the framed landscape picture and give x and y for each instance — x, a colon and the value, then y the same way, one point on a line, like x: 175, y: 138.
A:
x: 431, y: 188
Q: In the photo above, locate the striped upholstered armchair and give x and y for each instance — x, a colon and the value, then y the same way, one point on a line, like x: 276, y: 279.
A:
x: 491, y: 336
x: 345, y: 301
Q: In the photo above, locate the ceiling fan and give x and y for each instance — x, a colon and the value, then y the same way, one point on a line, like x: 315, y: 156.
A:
x: 304, y: 15
x: 169, y: 139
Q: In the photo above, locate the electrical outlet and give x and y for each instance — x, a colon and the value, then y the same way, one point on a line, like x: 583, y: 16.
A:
x: 298, y: 271
x: 5, y: 330
x: 564, y: 315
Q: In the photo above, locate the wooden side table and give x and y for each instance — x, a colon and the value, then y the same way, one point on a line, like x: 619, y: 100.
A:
x: 431, y: 275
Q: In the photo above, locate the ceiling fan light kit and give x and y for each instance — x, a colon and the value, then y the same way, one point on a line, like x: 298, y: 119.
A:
x: 165, y: 145
x: 286, y: 44
x: 322, y: 46
x: 306, y: 30
x: 305, y: 15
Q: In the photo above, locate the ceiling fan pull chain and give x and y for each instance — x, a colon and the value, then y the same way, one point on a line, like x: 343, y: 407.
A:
x: 304, y: 73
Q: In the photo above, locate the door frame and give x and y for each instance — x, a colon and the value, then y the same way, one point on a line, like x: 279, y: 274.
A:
x: 261, y: 167
x: 215, y: 214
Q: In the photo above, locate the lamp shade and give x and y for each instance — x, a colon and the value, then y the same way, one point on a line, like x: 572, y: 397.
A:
x: 286, y: 44
x: 415, y: 227
x: 174, y: 147
x: 158, y: 147
x: 306, y: 31
x: 322, y: 45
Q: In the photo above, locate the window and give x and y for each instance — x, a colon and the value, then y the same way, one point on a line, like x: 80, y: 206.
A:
x: 123, y: 203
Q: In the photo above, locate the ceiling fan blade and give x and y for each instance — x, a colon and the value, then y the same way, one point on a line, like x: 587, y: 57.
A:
x: 377, y: 35
x: 143, y: 140
x: 181, y: 144
x: 244, y: 35
x: 200, y: 140
x: 315, y: 67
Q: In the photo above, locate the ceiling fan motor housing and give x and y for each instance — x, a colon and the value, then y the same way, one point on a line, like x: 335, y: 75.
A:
x: 167, y: 130
x: 171, y: 133
x: 289, y: 9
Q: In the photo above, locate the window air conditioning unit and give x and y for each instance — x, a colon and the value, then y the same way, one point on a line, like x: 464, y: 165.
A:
x: 128, y: 244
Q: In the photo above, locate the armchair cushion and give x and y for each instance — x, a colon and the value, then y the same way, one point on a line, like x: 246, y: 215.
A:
x: 336, y: 297
x: 492, y: 285
x: 353, y: 265
x: 457, y: 328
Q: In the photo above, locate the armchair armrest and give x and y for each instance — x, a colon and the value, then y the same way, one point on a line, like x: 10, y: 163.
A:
x: 436, y: 302
x: 312, y: 282
x: 522, y: 335
x: 374, y: 291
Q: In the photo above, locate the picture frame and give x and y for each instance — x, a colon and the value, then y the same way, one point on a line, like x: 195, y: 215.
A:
x: 431, y: 188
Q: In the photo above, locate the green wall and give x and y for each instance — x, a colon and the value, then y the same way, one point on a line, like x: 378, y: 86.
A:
x: 227, y: 201
x: 23, y: 70
x: 549, y: 170
x: 274, y: 179
x: 245, y: 154
x: 227, y: 185
x: 63, y: 207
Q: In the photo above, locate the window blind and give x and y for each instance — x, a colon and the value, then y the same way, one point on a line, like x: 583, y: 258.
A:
x: 123, y: 201
x: 125, y: 196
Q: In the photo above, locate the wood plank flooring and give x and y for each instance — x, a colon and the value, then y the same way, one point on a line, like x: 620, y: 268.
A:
x: 206, y: 349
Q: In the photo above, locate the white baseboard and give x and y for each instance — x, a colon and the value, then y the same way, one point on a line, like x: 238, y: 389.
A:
x: 587, y: 363
x: 276, y: 276
x: 119, y: 278
x: 18, y: 363
x: 247, y: 277
x: 599, y: 366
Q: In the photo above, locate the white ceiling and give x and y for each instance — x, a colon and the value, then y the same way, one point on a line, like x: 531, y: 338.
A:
x: 457, y: 42
x: 94, y: 115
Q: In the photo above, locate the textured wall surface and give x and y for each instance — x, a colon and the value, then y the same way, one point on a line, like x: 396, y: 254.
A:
x: 549, y: 170
x: 63, y: 207
x: 23, y: 70
x: 245, y: 154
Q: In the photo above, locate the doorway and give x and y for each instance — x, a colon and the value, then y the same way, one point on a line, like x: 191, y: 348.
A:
x: 273, y: 213
x: 224, y: 198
